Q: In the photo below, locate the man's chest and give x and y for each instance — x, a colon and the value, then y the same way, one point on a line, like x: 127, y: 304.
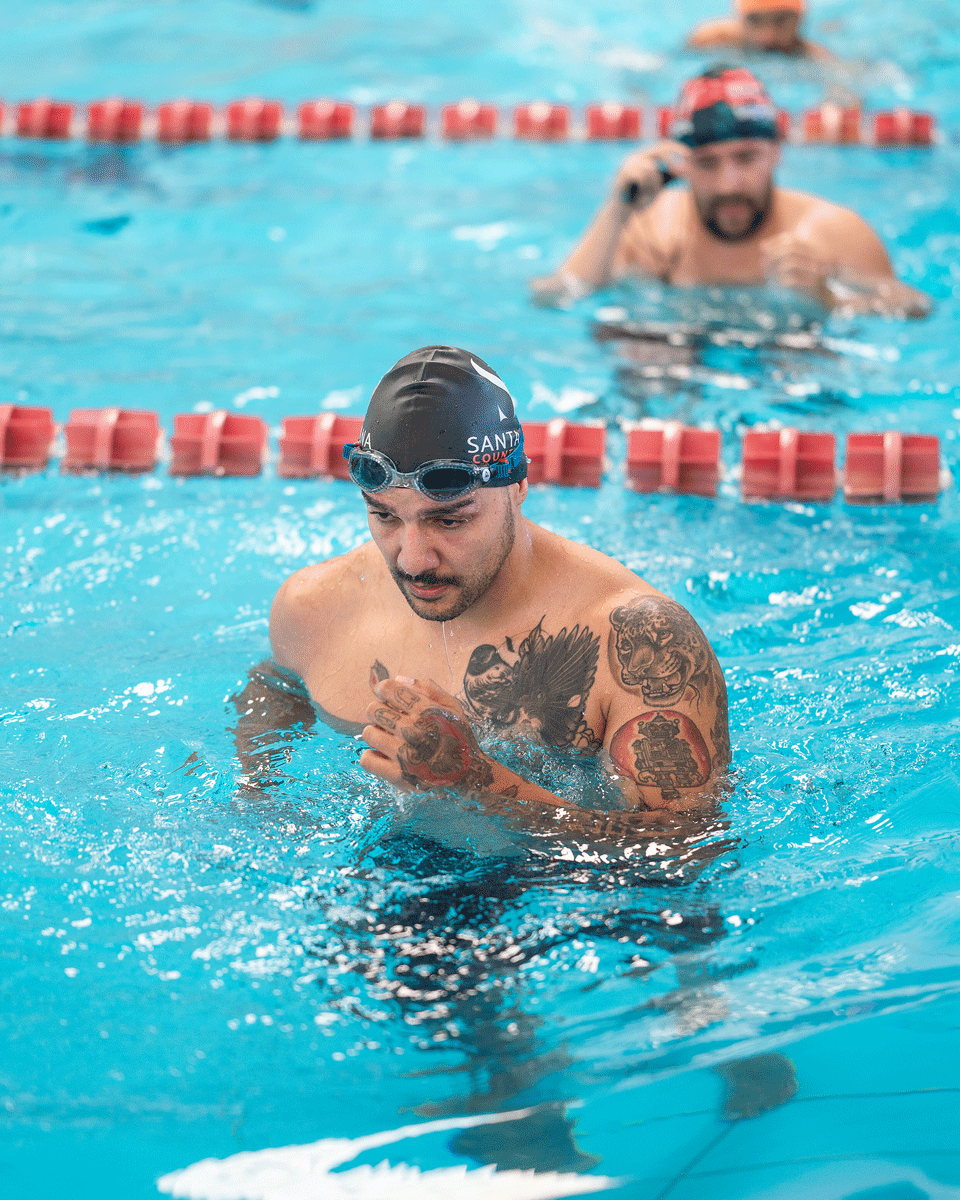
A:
x: 544, y: 681
x: 697, y: 262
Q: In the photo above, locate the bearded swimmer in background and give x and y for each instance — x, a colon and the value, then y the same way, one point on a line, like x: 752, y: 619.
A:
x: 731, y: 225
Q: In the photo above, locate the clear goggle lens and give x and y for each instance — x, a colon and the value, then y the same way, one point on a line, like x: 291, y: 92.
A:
x: 443, y: 481
x: 447, y: 482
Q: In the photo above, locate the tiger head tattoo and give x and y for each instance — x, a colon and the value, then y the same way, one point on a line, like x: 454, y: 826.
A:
x: 657, y: 648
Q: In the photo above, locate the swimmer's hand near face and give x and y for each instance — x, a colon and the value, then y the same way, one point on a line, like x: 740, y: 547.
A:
x: 419, y: 737
x: 644, y: 173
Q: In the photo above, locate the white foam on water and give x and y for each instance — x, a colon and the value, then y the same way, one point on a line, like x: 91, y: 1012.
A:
x: 306, y: 1173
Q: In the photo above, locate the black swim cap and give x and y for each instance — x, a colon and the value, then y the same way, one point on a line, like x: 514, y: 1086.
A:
x: 721, y: 105
x: 444, y: 403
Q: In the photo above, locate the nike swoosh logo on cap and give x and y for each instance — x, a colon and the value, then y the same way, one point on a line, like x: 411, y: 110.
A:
x: 493, y: 378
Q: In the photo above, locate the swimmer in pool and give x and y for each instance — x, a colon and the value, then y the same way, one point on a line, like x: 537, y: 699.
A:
x: 761, y: 26
x: 461, y: 617
x: 731, y: 225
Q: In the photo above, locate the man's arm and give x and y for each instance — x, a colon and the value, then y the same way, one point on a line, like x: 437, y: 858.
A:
x: 275, y: 708
x: 667, y: 732
x: 837, y: 257
x: 598, y: 257
x: 273, y: 711
x: 420, y: 737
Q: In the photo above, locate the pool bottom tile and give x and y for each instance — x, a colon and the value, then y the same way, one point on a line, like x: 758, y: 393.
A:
x: 919, y: 1177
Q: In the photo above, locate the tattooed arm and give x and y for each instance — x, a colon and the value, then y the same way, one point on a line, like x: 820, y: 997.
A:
x: 420, y: 737
x: 667, y: 729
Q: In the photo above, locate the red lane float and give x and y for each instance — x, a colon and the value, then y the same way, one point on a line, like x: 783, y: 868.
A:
x: 787, y: 464
x: 397, y: 120
x: 324, y: 120
x: 44, y: 119
x: 111, y: 439
x: 560, y: 452
x: 254, y: 120
x: 883, y: 468
x: 469, y: 119
x: 184, y: 121
x: 671, y: 457
x: 541, y: 122
x: 114, y: 121
x: 830, y: 123
x: 612, y: 122
x: 26, y: 435
x: 903, y: 128
x: 217, y: 443
x: 311, y: 446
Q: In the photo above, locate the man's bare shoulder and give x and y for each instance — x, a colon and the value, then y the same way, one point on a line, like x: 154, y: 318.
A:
x: 313, y: 584
x: 659, y: 658
x: 642, y: 620
x: 317, y: 596
x: 838, y: 232
x: 589, y: 577
x: 722, y: 32
x: 588, y: 585
x: 817, y: 214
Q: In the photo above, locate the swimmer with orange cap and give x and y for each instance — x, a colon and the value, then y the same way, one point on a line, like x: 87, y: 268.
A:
x: 731, y: 224
x: 761, y: 26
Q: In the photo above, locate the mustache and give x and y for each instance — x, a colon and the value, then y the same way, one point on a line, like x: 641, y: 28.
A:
x: 426, y: 579
x: 734, y: 198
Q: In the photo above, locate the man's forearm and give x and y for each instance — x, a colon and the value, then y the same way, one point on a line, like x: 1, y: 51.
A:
x: 420, y: 738
x: 536, y: 810
x: 884, y: 295
x: 590, y: 266
x: 271, y: 707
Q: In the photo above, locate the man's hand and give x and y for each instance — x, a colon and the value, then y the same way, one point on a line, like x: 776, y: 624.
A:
x: 419, y: 737
x: 644, y: 173
x: 792, y: 262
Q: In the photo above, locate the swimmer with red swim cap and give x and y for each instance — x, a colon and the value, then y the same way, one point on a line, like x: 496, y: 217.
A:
x: 461, y: 621
x: 730, y: 224
x: 764, y: 26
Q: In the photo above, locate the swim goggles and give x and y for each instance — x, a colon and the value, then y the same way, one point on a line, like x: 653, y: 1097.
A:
x: 442, y: 479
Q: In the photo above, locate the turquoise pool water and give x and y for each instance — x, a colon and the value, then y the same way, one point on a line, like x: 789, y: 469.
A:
x: 189, y: 974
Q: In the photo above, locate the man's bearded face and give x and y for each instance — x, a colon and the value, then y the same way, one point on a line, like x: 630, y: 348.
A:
x: 732, y: 186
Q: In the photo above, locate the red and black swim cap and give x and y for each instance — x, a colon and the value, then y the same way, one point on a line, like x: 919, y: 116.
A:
x: 723, y: 104
x: 443, y: 403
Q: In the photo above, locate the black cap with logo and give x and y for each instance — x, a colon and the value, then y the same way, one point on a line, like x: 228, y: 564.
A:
x: 443, y: 403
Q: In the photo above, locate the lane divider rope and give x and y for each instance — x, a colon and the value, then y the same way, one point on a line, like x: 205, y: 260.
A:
x: 254, y: 119
x: 661, y: 456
